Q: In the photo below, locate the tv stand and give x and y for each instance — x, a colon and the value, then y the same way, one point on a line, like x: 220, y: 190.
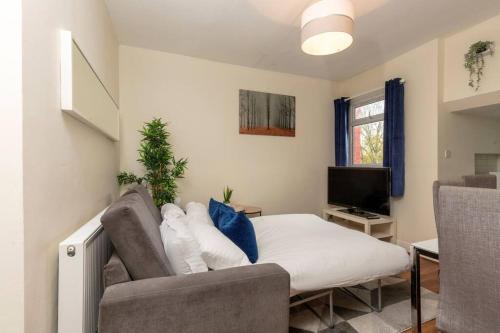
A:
x: 383, y: 227
x: 360, y: 213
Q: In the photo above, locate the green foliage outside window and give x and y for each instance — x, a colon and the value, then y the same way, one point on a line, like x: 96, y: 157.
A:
x: 372, y: 147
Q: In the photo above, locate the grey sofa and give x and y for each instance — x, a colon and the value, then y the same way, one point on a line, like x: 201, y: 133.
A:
x: 468, y: 224
x: 143, y: 295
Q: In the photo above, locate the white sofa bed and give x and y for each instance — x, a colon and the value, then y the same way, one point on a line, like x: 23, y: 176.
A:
x: 322, y: 255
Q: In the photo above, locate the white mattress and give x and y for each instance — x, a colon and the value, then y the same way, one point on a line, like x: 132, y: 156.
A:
x: 320, y: 254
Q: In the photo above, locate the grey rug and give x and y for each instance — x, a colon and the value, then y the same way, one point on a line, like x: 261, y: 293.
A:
x: 352, y: 316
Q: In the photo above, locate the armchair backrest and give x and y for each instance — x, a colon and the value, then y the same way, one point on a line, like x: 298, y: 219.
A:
x: 468, y: 224
x: 482, y: 181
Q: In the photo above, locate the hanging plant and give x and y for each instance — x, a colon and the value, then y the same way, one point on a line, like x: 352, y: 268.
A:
x: 474, y: 61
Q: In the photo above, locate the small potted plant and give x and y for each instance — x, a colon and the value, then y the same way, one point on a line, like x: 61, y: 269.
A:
x: 226, y: 194
x: 474, y: 61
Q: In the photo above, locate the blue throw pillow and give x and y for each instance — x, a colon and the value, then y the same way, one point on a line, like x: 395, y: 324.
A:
x: 216, y: 208
x: 238, y: 228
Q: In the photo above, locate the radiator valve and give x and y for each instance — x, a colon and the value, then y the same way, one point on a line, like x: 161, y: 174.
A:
x: 70, y: 250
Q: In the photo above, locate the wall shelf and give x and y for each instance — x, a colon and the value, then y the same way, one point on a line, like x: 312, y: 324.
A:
x: 480, y: 103
x: 83, y: 95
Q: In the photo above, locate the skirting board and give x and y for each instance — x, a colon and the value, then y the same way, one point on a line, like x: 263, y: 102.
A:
x: 83, y: 95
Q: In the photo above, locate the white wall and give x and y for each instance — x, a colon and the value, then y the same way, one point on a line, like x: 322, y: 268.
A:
x: 456, y: 77
x: 11, y: 169
x: 69, y: 168
x: 419, y: 67
x: 465, y: 134
x: 199, y: 99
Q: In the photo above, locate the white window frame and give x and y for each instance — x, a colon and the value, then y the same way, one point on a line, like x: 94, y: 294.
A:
x: 357, y: 102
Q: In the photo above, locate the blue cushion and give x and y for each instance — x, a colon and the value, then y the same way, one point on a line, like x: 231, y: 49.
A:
x: 238, y: 228
x: 216, y: 208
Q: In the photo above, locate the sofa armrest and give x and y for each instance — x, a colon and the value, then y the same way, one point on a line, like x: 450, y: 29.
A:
x: 244, y: 299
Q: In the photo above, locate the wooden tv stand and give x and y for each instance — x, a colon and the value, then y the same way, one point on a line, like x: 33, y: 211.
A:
x: 383, y: 228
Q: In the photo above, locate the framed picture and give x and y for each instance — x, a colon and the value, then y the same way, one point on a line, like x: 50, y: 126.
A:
x: 266, y: 114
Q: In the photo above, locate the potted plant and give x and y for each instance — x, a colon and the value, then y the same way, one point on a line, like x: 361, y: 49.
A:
x: 162, y: 169
x: 474, y: 61
x: 227, y: 194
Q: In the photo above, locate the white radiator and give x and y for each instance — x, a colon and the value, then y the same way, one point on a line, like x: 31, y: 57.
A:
x: 82, y: 257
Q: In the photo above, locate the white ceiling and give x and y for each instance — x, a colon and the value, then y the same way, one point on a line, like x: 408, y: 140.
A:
x: 266, y: 33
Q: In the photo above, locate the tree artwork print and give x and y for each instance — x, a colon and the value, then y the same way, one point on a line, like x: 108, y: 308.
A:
x: 266, y: 114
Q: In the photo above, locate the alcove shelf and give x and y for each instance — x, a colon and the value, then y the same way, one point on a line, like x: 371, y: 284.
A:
x: 83, y: 94
x: 481, y: 104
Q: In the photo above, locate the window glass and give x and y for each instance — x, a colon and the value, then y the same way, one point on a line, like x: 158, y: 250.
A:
x: 368, y: 143
x: 369, y: 110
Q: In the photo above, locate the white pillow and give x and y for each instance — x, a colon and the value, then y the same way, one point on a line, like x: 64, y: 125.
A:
x: 217, y: 250
x: 198, y: 213
x: 170, y: 210
x: 181, y: 248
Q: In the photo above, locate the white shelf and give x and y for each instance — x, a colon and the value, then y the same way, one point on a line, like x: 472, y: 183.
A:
x: 83, y: 94
x: 381, y: 235
x: 477, y: 104
x: 383, y: 228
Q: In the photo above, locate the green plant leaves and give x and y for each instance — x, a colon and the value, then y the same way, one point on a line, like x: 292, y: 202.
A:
x: 474, y: 61
x: 227, y: 193
x: 156, y: 155
x: 125, y: 178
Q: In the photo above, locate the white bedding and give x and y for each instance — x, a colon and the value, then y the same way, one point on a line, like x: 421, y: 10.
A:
x: 320, y: 254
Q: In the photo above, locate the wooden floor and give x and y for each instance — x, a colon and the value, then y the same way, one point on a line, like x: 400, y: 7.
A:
x: 429, y: 279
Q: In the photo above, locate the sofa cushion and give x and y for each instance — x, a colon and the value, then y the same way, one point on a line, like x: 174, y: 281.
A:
x: 216, y: 209
x: 238, y: 228
x: 136, y: 237
x: 115, y: 271
x: 217, y: 251
x: 182, y: 249
x: 198, y: 213
x: 170, y: 210
x: 148, y: 200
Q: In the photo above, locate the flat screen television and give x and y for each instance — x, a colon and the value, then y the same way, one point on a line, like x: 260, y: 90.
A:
x: 367, y: 189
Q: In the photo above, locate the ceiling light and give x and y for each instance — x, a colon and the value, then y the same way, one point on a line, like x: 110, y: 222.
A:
x: 327, y: 27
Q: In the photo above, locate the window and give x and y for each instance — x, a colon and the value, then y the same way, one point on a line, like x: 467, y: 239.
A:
x: 366, y: 133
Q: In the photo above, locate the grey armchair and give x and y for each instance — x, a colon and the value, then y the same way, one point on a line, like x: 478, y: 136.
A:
x: 468, y: 223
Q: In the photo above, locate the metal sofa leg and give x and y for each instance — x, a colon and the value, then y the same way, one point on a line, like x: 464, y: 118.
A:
x: 331, y: 309
x: 303, y: 300
x: 378, y: 307
x: 379, y: 295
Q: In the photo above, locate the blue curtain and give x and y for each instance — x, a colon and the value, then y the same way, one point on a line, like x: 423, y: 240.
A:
x: 394, y: 136
x: 341, y: 131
